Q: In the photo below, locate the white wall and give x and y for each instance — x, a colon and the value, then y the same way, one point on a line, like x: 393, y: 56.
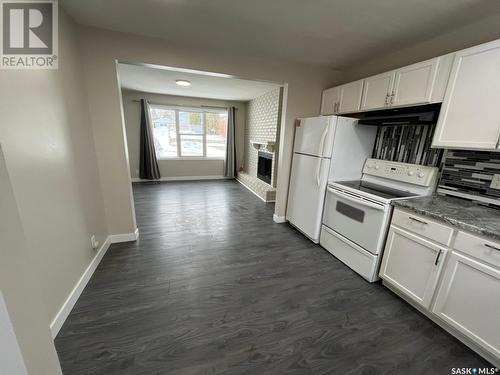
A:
x: 11, y: 359
x: 28, y: 346
x: 177, y: 168
x: 101, y: 49
x: 467, y: 36
x: 49, y: 150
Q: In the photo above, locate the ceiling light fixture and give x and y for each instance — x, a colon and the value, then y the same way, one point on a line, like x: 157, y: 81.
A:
x: 183, y: 82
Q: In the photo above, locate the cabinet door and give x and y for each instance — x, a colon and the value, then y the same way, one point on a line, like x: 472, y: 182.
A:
x: 470, y: 114
x: 329, y: 101
x: 412, y: 265
x: 469, y: 300
x: 350, y: 97
x: 414, y: 84
x: 376, y: 90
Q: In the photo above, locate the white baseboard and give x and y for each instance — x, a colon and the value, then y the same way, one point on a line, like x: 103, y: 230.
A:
x: 68, y: 305
x: 184, y: 178
x: 279, y: 219
x: 125, y: 237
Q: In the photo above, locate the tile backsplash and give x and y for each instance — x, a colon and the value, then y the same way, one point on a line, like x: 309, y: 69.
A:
x: 407, y: 144
x: 468, y: 174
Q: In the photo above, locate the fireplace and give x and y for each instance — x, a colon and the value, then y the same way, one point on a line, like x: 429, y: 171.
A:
x: 265, y: 166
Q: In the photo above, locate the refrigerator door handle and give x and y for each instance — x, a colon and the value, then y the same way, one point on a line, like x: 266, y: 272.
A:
x: 322, y: 142
x: 318, y: 172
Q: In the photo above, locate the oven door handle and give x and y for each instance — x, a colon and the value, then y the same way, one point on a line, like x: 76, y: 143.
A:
x: 362, y: 201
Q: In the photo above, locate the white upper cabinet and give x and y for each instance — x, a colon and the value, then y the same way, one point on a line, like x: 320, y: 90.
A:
x: 470, y: 114
x: 342, y: 99
x: 442, y: 76
x: 420, y: 83
x: 410, y: 85
x: 329, y: 101
x: 414, y: 84
x: 376, y: 91
x: 350, y: 97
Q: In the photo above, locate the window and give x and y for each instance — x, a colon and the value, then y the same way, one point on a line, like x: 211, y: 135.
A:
x: 189, y: 132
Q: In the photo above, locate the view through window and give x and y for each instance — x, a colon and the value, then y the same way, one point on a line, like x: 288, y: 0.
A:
x: 189, y: 132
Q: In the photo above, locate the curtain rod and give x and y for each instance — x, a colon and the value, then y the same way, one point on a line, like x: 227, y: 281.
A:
x: 185, y: 105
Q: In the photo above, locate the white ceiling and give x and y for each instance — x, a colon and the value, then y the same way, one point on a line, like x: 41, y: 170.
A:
x: 334, y: 33
x: 161, y: 80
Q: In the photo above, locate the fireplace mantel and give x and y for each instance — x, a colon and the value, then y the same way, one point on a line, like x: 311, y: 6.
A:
x: 268, y: 146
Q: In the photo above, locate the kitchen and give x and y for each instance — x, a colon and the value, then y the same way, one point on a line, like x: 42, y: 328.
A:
x: 342, y: 220
x: 400, y: 180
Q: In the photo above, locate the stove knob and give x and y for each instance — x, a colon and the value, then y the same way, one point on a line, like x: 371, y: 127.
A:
x: 369, y: 166
x: 421, y: 174
x: 377, y: 167
x: 410, y: 173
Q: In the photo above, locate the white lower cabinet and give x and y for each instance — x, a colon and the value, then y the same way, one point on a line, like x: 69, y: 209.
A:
x: 469, y: 300
x: 412, y: 265
x: 458, y: 287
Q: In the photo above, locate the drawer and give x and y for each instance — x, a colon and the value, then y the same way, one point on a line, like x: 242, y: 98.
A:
x: 423, y: 226
x: 357, y: 258
x: 478, y: 247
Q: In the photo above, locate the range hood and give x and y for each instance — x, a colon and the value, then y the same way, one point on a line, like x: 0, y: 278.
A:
x: 421, y: 115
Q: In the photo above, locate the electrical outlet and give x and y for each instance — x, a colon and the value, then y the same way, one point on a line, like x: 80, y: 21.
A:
x: 495, y: 182
x: 93, y: 242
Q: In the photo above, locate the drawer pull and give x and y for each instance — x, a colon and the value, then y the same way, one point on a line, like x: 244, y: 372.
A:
x: 437, y: 257
x: 491, y: 247
x: 417, y: 220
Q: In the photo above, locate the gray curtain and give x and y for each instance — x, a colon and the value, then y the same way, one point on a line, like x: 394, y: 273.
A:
x: 230, y: 165
x: 148, y: 164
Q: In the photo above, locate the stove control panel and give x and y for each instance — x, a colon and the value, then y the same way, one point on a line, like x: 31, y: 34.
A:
x: 404, y: 172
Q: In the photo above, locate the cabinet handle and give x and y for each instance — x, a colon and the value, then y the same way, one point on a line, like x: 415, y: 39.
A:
x: 392, y: 97
x: 437, y: 257
x: 337, y: 105
x: 387, y: 99
x: 417, y: 220
x: 491, y: 247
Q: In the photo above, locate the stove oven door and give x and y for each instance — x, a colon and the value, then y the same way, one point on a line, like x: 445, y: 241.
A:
x: 358, y: 219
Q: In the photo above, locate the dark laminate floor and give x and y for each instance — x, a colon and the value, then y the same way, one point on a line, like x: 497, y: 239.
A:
x: 215, y: 287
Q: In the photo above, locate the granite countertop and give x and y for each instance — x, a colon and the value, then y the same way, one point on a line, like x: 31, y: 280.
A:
x: 457, y: 212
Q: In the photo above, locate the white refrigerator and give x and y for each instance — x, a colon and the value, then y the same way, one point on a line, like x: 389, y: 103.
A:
x: 325, y: 148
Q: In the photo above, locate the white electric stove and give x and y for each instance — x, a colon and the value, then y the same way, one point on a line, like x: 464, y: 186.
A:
x: 357, y: 214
